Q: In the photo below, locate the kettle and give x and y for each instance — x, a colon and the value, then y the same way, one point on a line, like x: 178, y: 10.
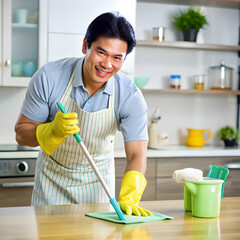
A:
x: 220, y: 77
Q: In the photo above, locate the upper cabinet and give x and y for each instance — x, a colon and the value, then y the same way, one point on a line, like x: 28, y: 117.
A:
x: 68, y: 22
x: 20, y: 41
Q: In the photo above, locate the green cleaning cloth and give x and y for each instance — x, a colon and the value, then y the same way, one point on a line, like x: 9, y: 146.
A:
x: 113, y: 217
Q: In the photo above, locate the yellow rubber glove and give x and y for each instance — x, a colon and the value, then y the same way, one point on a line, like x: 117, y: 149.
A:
x: 132, y: 187
x: 51, y: 135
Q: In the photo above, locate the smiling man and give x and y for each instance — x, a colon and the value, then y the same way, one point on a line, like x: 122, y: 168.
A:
x: 99, y: 100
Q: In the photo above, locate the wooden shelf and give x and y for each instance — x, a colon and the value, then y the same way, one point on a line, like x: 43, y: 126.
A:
x: 191, y: 91
x: 188, y: 45
x: 216, y: 3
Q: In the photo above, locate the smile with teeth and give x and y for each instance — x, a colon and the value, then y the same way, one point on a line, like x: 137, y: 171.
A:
x: 101, y: 72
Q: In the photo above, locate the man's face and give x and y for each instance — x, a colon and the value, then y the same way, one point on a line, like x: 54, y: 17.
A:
x: 103, y: 60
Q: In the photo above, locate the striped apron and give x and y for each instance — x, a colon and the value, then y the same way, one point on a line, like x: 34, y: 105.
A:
x: 66, y: 177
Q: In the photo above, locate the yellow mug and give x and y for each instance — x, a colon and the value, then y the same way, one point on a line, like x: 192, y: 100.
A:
x: 195, y: 137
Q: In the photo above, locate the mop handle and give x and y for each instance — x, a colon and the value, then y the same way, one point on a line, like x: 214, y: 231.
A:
x: 95, y: 169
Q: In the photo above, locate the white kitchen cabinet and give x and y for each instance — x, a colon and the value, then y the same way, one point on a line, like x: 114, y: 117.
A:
x: 20, y: 40
x: 74, y: 16
x: 68, y: 22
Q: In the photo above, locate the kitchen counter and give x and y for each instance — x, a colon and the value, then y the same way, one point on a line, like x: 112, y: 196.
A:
x: 69, y: 222
x: 184, y: 151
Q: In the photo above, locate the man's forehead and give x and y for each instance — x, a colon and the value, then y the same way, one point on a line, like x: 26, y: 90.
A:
x: 111, y: 45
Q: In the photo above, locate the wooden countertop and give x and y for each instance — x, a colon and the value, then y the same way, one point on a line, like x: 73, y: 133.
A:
x: 69, y: 222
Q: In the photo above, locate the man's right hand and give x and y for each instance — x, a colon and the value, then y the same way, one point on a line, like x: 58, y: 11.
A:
x: 51, y: 135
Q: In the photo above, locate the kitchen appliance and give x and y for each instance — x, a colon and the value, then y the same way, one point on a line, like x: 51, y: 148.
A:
x: 220, y: 77
x: 17, y: 167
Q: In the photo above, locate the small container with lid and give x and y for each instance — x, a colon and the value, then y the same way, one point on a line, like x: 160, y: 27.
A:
x: 175, y: 81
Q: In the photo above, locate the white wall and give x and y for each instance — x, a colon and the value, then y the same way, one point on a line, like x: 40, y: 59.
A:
x: 181, y: 111
x: 178, y: 111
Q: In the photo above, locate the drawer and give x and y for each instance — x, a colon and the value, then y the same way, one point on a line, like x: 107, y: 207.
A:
x: 15, y: 196
x: 16, y: 192
x: 166, y: 166
x: 232, y: 184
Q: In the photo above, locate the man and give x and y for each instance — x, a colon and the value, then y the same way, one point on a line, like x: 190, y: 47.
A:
x: 98, y: 101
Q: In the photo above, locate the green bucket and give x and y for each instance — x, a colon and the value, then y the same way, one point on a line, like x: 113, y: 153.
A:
x: 203, y: 198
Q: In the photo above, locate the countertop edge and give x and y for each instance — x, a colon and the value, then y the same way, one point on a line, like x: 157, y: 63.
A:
x: 183, y: 151
x: 170, y: 151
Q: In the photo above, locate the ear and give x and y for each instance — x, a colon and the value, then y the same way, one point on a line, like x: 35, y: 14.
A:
x: 84, y: 46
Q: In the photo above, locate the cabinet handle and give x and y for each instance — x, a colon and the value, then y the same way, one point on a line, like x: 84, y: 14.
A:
x: 232, y: 166
x: 8, y: 63
x: 18, y: 184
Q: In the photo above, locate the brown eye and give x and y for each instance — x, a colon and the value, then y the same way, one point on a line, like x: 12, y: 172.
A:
x: 100, y: 52
x: 118, y: 58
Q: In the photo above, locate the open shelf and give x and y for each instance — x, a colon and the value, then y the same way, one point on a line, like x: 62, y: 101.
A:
x: 191, y: 91
x: 188, y: 45
x: 216, y: 3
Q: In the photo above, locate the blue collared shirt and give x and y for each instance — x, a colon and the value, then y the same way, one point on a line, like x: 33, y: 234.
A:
x: 49, y: 83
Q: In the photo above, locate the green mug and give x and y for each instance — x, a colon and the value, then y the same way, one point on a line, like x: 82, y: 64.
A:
x: 203, y: 198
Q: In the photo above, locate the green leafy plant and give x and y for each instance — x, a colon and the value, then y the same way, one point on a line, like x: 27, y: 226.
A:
x: 191, y: 19
x: 228, y: 133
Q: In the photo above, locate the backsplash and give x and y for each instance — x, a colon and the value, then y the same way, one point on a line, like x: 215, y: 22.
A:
x: 11, y: 99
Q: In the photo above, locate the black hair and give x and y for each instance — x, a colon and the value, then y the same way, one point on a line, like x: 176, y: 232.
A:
x: 111, y: 25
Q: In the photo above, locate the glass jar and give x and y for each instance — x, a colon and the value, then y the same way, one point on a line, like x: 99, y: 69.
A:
x: 175, y: 81
x: 220, y: 77
x: 199, y: 81
x: 159, y: 34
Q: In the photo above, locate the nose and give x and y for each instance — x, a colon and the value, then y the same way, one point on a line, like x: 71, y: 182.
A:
x: 107, y: 63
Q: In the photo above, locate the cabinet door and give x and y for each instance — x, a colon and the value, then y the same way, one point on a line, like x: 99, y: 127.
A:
x: 70, y: 45
x: 15, y: 196
x: 68, y: 22
x: 20, y: 41
x: 74, y: 16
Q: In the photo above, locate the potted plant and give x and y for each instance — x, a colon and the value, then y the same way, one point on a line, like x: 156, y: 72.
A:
x: 229, y: 136
x: 189, y: 23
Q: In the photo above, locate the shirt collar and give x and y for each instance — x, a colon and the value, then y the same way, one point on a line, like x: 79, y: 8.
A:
x: 78, y: 81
